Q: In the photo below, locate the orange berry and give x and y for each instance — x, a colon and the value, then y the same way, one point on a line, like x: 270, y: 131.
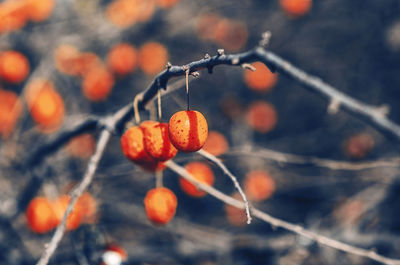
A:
x: 167, y: 3
x: 64, y: 58
x: 157, y: 142
x: 40, y: 215
x: 10, y: 111
x: 230, y: 34
x: 153, y: 57
x: 81, y: 146
x: 14, y: 66
x: 188, y: 130
x: 201, y: 172
x: 261, y: 80
x: 132, y: 145
x: 258, y: 185
x: 359, y: 145
x: 40, y: 10
x: 124, y: 13
x: 87, y: 208
x: 85, y: 62
x: 74, y: 219
x: 236, y: 216
x: 97, y: 84
x: 45, y: 104
x: 160, y: 205
x: 216, y: 143
x: 261, y: 116
x: 296, y: 8
x: 205, y: 25
x: 122, y: 58
x: 13, y: 15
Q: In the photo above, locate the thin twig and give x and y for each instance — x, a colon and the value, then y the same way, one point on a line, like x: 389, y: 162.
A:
x: 231, y: 176
x: 75, y: 194
x: 281, y: 157
x: 275, y: 222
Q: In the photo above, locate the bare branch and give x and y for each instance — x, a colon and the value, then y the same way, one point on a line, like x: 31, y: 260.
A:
x: 275, y: 222
x: 310, y: 160
x: 231, y: 176
x: 75, y: 194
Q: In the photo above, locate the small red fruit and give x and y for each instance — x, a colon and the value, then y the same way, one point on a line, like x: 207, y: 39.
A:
x: 97, y: 84
x: 262, y: 116
x: 202, y: 173
x: 14, y: 66
x: 157, y: 142
x: 40, y: 215
x: 74, y: 219
x: 261, y: 80
x: 359, y: 145
x: 133, y: 146
x: 216, y: 143
x: 296, y: 8
x: 160, y: 205
x: 188, y: 130
x: 258, y: 185
x: 122, y: 58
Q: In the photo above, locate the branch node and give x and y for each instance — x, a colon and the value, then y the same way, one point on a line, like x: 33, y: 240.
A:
x: 235, y: 61
x: 207, y: 56
x: 195, y: 74
x: 382, y: 111
x: 221, y: 52
x: 265, y: 38
x: 248, y: 66
x: 333, y: 107
x: 169, y: 65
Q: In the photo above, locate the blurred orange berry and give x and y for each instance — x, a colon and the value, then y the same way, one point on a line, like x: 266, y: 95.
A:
x: 124, y: 13
x: 201, y: 172
x: 236, y: 216
x: 230, y: 34
x: 40, y: 215
x: 358, y: 145
x: 205, y: 25
x: 157, y: 143
x: 153, y: 57
x: 261, y: 116
x: 13, y: 15
x: 258, y: 185
x: 216, y: 143
x: 10, y: 111
x: 160, y: 205
x: 60, y: 206
x: 70, y: 61
x: 97, y: 84
x: 87, y: 206
x: 261, y: 80
x: 188, y: 130
x: 122, y: 58
x: 40, y: 10
x: 45, y: 104
x: 296, y: 8
x: 167, y: 3
x: 81, y: 146
x: 14, y: 66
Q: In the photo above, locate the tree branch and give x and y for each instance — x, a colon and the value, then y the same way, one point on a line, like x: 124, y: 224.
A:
x: 275, y: 222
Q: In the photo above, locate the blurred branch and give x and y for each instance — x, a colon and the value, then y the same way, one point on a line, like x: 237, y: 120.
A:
x: 275, y: 222
x: 310, y: 160
x: 75, y: 194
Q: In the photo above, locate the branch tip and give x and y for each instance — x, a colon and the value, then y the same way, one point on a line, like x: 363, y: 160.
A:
x: 265, y: 38
x: 220, y: 52
x: 248, y: 66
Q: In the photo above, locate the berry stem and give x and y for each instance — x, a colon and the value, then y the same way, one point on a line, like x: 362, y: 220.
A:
x: 159, y: 104
x: 187, y: 90
x: 159, y: 179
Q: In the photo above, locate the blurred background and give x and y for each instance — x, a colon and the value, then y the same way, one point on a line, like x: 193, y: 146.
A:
x: 63, y: 60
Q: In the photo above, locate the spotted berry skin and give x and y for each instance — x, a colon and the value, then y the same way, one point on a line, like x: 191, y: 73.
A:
x: 157, y: 142
x: 133, y: 147
x: 188, y: 130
